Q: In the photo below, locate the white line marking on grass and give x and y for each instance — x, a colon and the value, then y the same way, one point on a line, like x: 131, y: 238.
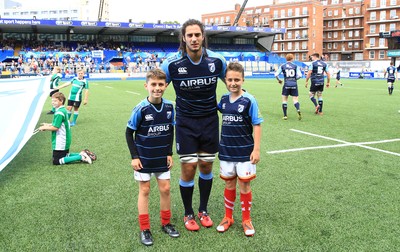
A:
x: 133, y: 92
x: 108, y: 87
x: 344, y: 144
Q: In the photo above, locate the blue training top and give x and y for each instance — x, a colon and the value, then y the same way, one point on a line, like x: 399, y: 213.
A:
x: 195, y: 83
x: 238, y: 118
x: 153, y: 134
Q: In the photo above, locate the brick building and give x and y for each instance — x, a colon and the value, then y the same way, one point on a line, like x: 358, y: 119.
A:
x: 338, y: 29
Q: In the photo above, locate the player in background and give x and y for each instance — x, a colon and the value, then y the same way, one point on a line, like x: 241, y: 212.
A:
x: 152, y: 123
x: 316, y: 72
x: 78, y: 83
x: 291, y: 74
x: 239, y: 148
x: 194, y: 71
x: 61, y: 135
x: 54, y: 81
x: 391, y: 77
x: 337, y: 72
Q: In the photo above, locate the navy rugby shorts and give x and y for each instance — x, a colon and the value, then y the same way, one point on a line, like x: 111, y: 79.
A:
x: 197, y: 134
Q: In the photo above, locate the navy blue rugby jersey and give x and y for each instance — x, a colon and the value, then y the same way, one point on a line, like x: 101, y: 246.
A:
x: 291, y: 74
x: 238, y: 118
x: 195, y: 83
x: 391, y: 71
x: 318, y: 68
x: 153, y: 134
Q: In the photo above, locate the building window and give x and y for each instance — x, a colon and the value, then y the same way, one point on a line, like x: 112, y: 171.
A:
x: 393, y: 2
x: 305, y: 11
x: 382, y: 42
x: 357, y: 34
x: 276, y: 24
x: 372, y: 41
x: 290, y: 23
x: 334, y: 56
x: 329, y: 34
x: 383, y: 3
x: 351, y: 11
x: 329, y: 46
x: 350, y: 34
x: 372, y: 15
x: 392, y: 27
x: 335, y: 45
x: 356, y: 45
x: 283, y: 24
x: 329, y: 23
x: 335, y: 34
x: 382, y: 15
x: 282, y: 46
x: 382, y: 28
x: 350, y: 22
x: 371, y: 54
x: 275, y: 46
x: 304, y: 45
x: 336, y: 13
x: 290, y: 12
x: 297, y: 12
x: 350, y: 44
x: 304, y: 56
x: 357, y: 22
x: 283, y: 13
x: 276, y: 15
x: 373, y: 3
x: 393, y: 14
x: 335, y: 23
x: 289, y: 46
x: 296, y: 56
x: 381, y: 54
x: 372, y: 29
x: 330, y: 13
x: 289, y: 35
x: 357, y: 10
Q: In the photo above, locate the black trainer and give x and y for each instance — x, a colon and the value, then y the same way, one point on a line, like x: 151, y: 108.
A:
x: 170, y: 230
x: 146, y: 238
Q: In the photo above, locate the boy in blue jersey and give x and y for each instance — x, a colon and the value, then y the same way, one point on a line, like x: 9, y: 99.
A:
x: 79, y: 83
x: 194, y: 72
x: 152, y: 124
x: 291, y: 74
x: 316, y: 72
x: 239, y: 148
x: 338, y: 78
x: 391, y: 77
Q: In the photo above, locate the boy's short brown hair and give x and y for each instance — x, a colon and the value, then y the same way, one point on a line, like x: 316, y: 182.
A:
x: 156, y: 73
x: 59, y: 96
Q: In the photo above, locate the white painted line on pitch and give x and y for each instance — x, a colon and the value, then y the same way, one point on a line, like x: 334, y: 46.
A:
x: 344, y: 144
x: 309, y: 148
x: 108, y: 87
x: 133, y: 92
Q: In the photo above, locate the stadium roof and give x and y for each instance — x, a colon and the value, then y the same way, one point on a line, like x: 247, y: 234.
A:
x: 121, y: 28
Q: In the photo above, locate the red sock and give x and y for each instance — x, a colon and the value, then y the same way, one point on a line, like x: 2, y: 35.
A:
x: 144, y: 221
x: 165, y: 217
x: 245, y: 201
x: 229, y: 200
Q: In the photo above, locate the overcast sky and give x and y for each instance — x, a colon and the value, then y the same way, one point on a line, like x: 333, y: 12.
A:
x: 172, y: 10
x: 151, y: 11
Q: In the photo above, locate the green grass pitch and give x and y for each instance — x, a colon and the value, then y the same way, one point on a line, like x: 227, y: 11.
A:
x: 325, y: 183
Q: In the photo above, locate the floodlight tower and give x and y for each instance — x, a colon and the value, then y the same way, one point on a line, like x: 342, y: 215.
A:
x: 101, y: 7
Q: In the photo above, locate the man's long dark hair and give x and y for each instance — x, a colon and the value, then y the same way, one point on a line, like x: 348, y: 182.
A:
x: 182, y: 46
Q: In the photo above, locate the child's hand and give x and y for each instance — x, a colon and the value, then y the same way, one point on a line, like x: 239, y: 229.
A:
x: 170, y: 162
x: 255, y: 157
x: 136, y: 164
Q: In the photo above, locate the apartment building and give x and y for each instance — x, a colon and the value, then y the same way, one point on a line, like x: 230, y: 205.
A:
x: 337, y: 29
